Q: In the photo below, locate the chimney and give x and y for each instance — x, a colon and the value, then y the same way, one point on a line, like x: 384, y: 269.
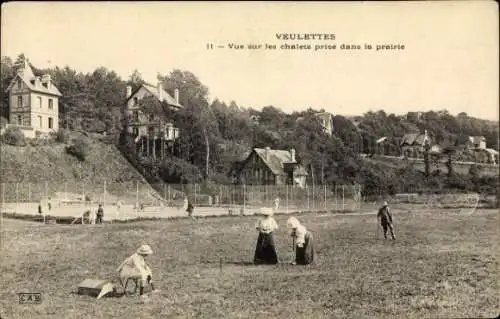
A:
x: 46, y: 80
x: 292, y: 151
x: 176, y: 95
x: 267, y: 153
x: 129, y: 91
x: 160, y: 90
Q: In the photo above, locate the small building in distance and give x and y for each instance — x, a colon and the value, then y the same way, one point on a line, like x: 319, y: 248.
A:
x: 265, y: 166
x: 412, y: 145
x: 33, y: 102
x: 476, y: 142
x: 326, y: 120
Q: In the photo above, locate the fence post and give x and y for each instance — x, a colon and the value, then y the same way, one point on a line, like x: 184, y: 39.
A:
x: 336, y: 198
x: 314, y: 199
x: 137, y: 199
x: 324, y: 186
x: 244, y: 198
x: 164, y: 191
x: 29, y: 192
x: 343, y: 204
x: 195, y: 204
x: 307, y: 187
x: 286, y: 192
x: 47, y: 201
x: 17, y: 197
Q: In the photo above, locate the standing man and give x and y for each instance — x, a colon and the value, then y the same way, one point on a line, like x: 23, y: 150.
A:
x: 386, y: 220
x: 100, y: 214
x: 190, y: 209
x: 276, y: 204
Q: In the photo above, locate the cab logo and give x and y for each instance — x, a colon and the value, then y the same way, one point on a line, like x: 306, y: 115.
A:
x: 30, y: 298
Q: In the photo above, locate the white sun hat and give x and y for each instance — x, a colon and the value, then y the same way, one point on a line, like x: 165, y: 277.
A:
x: 267, y: 211
x: 145, y: 250
x: 292, y: 222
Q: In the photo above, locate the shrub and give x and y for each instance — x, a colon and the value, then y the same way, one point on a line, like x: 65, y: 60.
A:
x: 14, y: 136
x: 61, y: 136
x: 79, y: 149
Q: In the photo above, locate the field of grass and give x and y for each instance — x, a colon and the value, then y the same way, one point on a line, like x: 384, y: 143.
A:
x: 443, y: 264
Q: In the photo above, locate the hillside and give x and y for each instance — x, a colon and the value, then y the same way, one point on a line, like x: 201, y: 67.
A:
x: 459, y: 167
x: 51, y: 166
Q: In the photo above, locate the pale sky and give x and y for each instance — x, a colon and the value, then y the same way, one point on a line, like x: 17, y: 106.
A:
x: 450, y: 58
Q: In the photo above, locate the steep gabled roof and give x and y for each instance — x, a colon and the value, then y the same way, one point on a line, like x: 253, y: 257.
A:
x: 154, y: 91
x: 477, y: 139
x: 274, y: 159
x: 413, y: 139
x: 32, y: 82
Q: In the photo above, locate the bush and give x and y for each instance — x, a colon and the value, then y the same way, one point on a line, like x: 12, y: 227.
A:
x: 62, y: 136
x: 79, y: 149
x: 14, y: 136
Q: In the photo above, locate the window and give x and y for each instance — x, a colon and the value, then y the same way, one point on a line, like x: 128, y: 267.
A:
x: 51, y: 104
x: 39, y: 98
x: 20, y: 120
x: 19, y: 101
x: 135, y: 116
x: 40, y: 123
x: 51, y: 122
x: 19, y: 85
x: 135, y: 101
x: 135, y: 131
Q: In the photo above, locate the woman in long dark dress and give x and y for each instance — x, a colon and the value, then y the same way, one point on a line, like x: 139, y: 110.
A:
x: 303, y: 242
x: 265, y: 252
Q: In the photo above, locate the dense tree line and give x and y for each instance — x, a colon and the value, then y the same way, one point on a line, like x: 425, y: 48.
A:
x: 215, y: 134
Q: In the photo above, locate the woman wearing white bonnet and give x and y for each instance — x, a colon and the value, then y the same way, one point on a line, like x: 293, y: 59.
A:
x: 135, y: 268
x: 265, y: 252
x: 304, y: 243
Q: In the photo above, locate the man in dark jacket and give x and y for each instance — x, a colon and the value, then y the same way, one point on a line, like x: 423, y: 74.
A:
x: 386, y: 220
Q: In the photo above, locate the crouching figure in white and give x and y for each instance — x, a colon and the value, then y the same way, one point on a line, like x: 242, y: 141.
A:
x: 135, y: 268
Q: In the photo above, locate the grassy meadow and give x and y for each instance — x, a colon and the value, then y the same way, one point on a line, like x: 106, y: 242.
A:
x: 443, y: 264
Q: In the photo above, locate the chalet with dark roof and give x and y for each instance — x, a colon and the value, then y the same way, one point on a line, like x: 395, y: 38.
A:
x: 412, y: 144
x: 265, y: 166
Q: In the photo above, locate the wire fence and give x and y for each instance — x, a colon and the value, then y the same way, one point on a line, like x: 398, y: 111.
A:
x: 135, y: 199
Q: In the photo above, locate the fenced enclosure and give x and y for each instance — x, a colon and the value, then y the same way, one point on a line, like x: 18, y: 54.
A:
x: 135, y: 199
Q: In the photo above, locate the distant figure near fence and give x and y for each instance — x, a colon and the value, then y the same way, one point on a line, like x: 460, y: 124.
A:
x: 90, y: 216
x: 276, y: 204
x: 385, y: 218
x: 190, y: 208
x: 100, y: 214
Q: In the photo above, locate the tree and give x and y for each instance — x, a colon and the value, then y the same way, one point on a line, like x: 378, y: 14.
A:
x: 135, y: 80
x: 196, y: 121
x: 7, y: 73
x: 449, y: 151
x: 427, y: 148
